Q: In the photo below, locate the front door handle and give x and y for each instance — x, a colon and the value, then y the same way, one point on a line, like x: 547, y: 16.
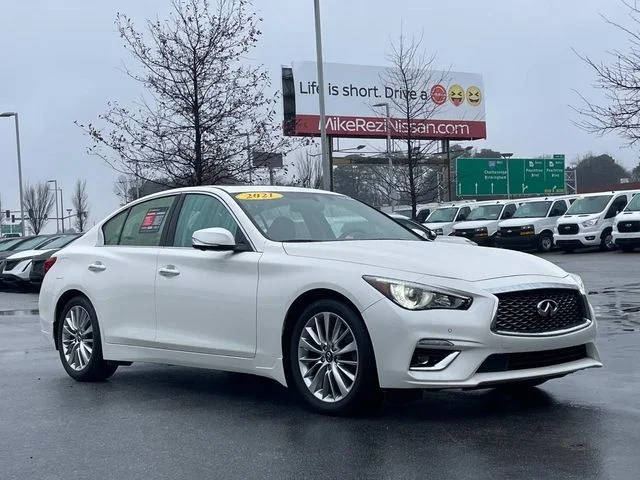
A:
x: 97, y: 267
x: 169, y: 271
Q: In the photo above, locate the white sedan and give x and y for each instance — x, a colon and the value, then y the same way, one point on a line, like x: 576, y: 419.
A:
x: 313, y: 289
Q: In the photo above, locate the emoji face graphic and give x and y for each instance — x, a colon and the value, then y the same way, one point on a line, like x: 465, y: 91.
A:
x: 438, y: 94
x: 456, y: 94
x: 474, y: 96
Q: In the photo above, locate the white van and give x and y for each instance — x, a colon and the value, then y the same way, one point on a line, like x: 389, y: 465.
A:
x: 589, y: 221
x: 626, y: 227
x: 532, y: 226
x: 423, y: 210
x: 442, y: 220
x: 481, y: 224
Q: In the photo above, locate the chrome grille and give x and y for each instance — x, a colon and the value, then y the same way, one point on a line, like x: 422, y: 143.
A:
x: 518, y: 311
x: 510, y: 231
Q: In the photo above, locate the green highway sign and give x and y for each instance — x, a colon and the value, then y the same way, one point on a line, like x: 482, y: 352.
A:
x: 513, y: 176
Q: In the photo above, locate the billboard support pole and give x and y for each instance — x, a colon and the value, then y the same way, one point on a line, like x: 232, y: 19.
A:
x: 326, y: 160
x: 330, y: 143
x: 448, y: 145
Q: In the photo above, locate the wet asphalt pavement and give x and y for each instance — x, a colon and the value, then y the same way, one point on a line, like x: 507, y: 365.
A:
x: 155, y: 422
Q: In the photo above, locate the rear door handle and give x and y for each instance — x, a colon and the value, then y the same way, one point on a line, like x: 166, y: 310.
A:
x: 97, y: 267
x: 169, y: 271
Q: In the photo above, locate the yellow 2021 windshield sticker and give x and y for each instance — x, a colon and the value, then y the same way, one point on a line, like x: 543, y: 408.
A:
x: 258, y: 196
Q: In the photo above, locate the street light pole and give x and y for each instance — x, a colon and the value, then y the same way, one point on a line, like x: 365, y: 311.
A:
x: 55, y: 195
x: 388, y: 128
x: 15, y: 116
x: 62, y: 209
x: 326, y: 162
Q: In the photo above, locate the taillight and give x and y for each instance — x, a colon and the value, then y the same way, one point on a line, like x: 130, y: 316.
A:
x: 48, y: 263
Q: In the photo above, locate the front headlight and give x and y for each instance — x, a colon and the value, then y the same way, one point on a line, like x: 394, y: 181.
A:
x: 438, y: 231
x: 579, y: 281
x: 590, y: 223
x: 527, y: 227
x: 415, y: 296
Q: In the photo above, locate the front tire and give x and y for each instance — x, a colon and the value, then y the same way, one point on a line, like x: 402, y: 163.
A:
x: 545, y: 244
x: 331, y: 360
x: 79, y: 343
x: 606, y: 242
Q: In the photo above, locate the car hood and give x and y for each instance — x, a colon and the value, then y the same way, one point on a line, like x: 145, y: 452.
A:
x: 447, y: 260
x: 454, y: 239
x: 627, y: 215
x: 474, y: 224
x: 518, y: 222
x: 582, y: 217
x: 27, y: 254
x: 434, y: 225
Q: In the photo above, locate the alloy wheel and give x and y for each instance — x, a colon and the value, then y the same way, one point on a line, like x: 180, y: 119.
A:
x: 77, y: 337
x: 328, y: 357
x: 547, y: 243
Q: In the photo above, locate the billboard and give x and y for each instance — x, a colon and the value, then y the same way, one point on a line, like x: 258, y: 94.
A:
x: 456, y: 103
x: 514, y: 176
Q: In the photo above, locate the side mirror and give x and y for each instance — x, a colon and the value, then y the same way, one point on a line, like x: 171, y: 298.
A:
x: 417, y: 231
x: 213, y: 239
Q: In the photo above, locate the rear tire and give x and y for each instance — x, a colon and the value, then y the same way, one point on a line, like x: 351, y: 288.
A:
x: 333, y: 371
x: 79, y: 343
x: 545, y: 243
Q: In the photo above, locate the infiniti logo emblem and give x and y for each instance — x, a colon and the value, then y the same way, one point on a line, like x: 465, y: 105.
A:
x: 547, y: 308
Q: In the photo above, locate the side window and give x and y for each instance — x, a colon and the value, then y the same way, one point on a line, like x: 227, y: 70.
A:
x: 559, y: 208
x: 422, y: 215
x: 111, y: 229
x: 509, y: 210
x: 463, y: 213
x: 617, y: 206
x: 146, y: 221
x: 202, y: 211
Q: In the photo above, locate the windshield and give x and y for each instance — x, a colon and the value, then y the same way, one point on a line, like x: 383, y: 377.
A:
x: 442, y: 215
x: 10, y: 243
x: 594, y: 204
x: 486, y: 212
x: 634, y: 204
x: 59, y: 242
x: 317, y: 217
x: 30, y: 244
x: 532, y: 210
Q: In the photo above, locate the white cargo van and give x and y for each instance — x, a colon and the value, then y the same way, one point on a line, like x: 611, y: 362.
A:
x: 442, y: 220
x: 589, y: 220
x: 626, y: 227
x: 481, y: 224
x: 531, y: 227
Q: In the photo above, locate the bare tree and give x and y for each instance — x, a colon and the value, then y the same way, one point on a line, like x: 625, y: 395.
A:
x: 200, y: 93
x: 308, y: 171
x: 619, y: 81
x: 80, y: 202
x: 38, y: 202
x: 128, y: 188
x: 411, y: 73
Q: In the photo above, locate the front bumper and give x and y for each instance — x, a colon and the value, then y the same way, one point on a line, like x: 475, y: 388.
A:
x: 483, y: 240
x: 520, y: 242
x: 579, y: 240
x: 396, y: 332
x: 631, y: 239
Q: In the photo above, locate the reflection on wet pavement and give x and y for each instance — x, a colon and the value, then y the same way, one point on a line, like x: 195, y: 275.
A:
x: 617, y: 308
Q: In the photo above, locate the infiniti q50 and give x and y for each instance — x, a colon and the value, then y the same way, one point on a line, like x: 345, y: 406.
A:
x: 316, y: 290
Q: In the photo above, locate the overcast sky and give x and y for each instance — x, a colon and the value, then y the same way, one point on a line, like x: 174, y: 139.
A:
x: 61, y: 62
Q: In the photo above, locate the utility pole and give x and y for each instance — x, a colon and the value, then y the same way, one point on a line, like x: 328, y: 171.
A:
x: 15, y: 116
x: 326, y: 162
x: 55, y: 195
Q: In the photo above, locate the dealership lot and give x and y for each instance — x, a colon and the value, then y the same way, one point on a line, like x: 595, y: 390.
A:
x: 169, y: 422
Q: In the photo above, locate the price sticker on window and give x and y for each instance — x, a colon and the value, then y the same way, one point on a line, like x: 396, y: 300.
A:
x: 258, y: 196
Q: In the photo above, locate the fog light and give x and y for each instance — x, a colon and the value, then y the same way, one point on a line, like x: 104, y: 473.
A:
x: 591, y: 237
x: 432, y: 355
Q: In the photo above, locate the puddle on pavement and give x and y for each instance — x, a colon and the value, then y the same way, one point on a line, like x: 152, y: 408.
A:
x: 617, y: 308
x: 18, y: 313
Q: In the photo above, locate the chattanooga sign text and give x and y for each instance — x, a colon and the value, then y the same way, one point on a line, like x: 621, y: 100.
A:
x: 456, y: 103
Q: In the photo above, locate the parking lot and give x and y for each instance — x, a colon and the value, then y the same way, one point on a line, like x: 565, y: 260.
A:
x: 173, y: 422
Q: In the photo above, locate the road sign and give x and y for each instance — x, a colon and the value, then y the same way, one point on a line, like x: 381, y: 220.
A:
x: 514, y: 176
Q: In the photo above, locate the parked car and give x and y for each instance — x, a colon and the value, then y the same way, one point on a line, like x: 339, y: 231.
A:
x: 444, y: 218
x: 221, y: 277
x: 23, y: 243
x: 481, y: 225
x: 427, y: 233
x: 589, y: 221
x: 26, y: 267
x: 626, y: 227
x: 532, y: 226
x: 423, y: 210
